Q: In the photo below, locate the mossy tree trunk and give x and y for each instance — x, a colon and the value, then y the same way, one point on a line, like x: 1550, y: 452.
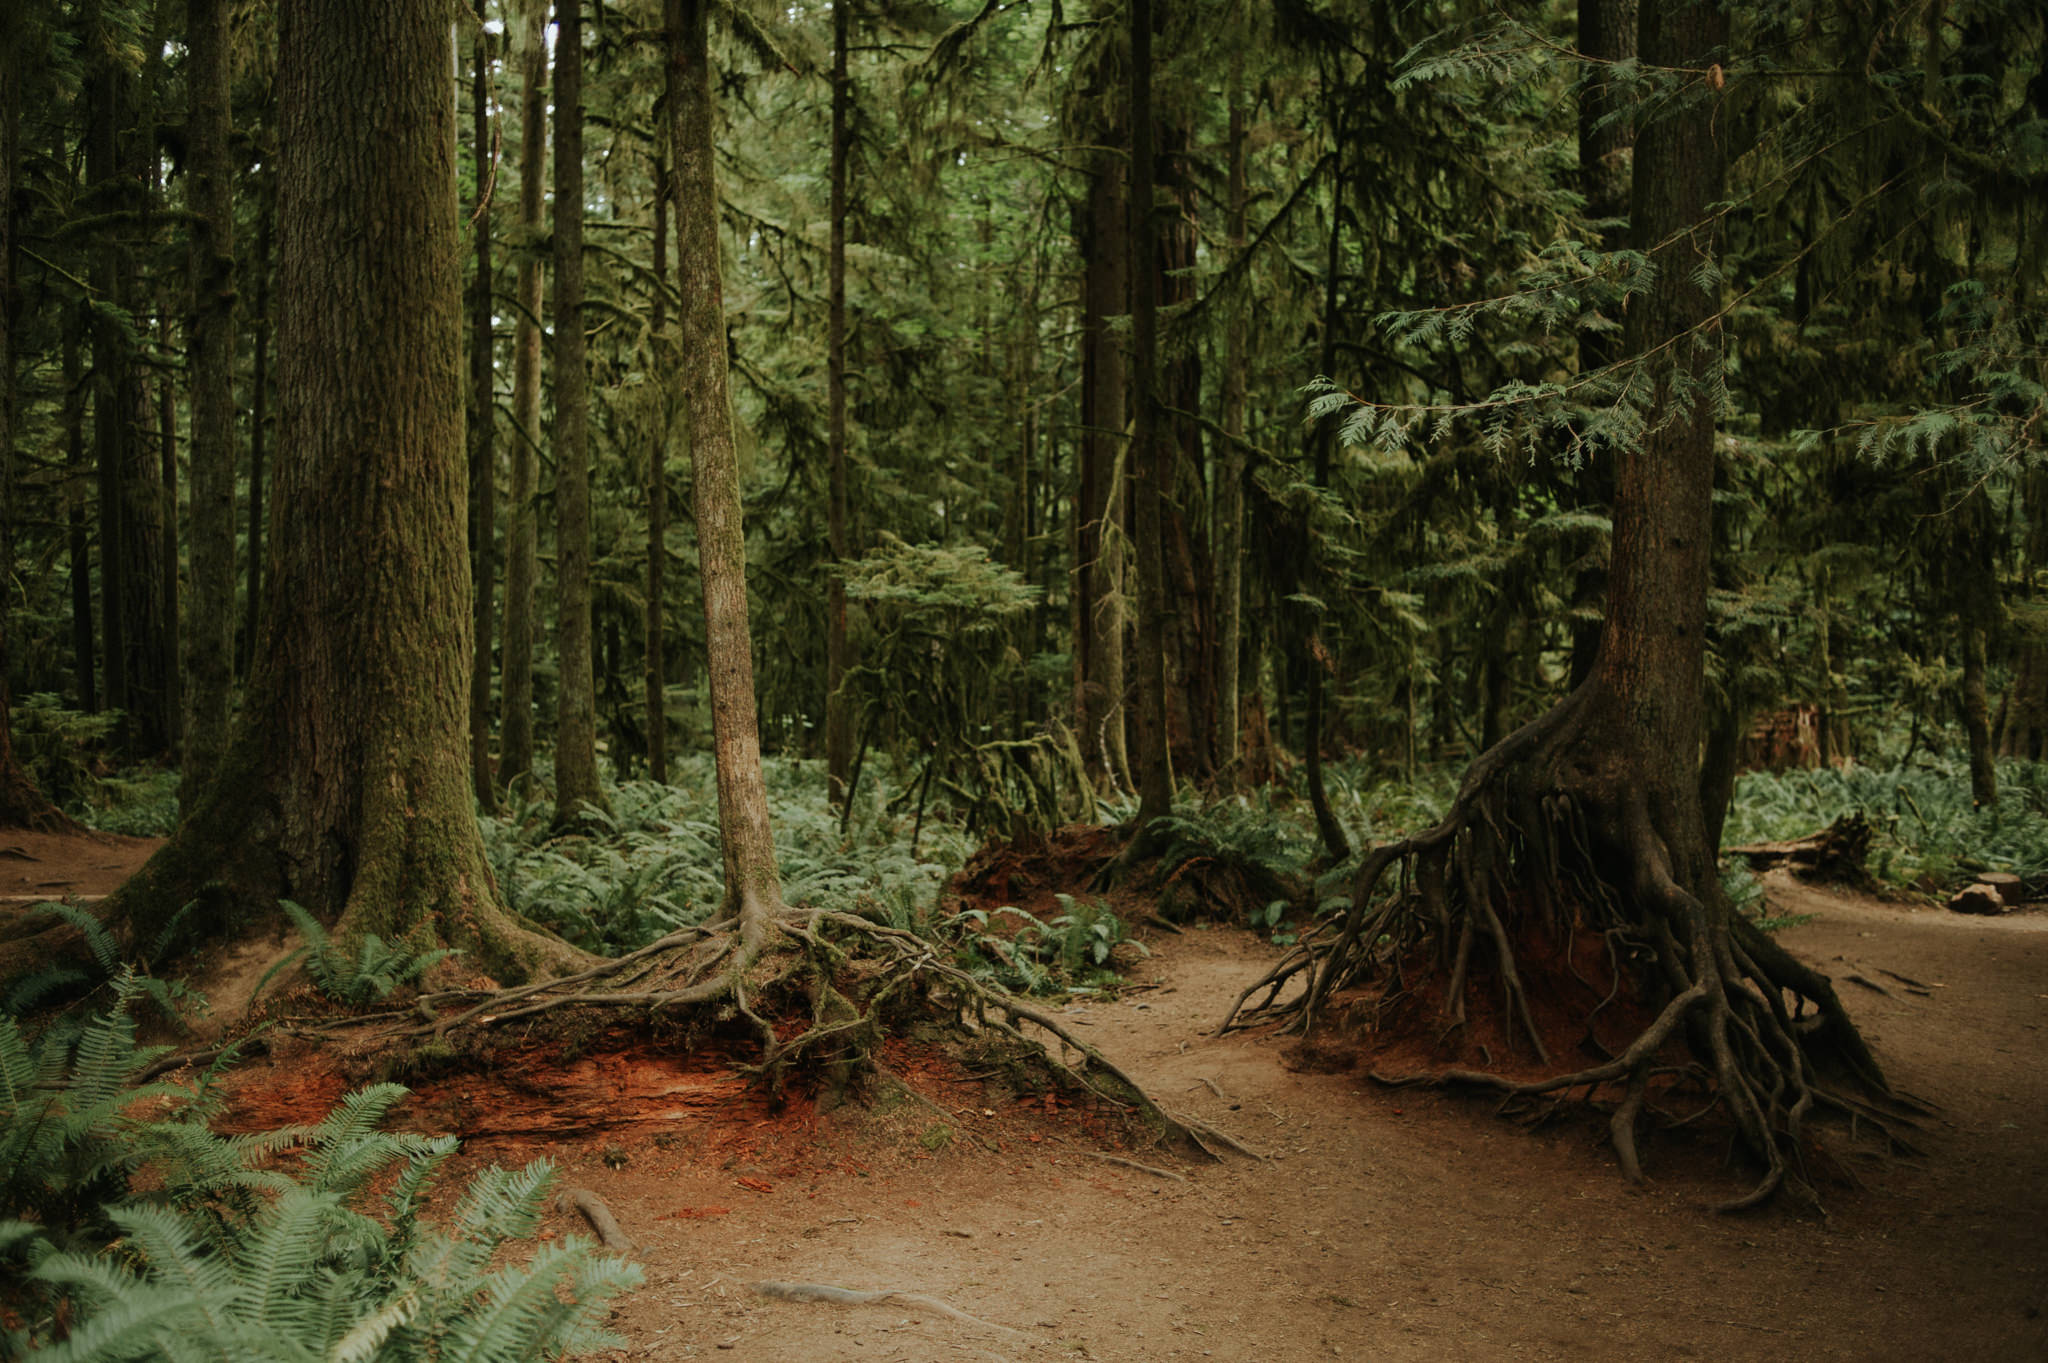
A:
x: 576, y: 786
x: 753, y: 886
x: 346, y: 787
x: 656, y: 680
x: 1230, y: 473
x: 522, y: 538
x: 483, y: 428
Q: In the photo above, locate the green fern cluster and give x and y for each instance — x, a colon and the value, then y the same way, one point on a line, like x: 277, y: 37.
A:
x: 157, y: 1239
x: 1070, y: 954
x: 1927, y: 827
x: 372, y: 973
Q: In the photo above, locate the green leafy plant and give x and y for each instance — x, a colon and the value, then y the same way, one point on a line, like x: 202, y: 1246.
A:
x: 1070, y: 954
x: 158, y: 1239
x: 375, y: 970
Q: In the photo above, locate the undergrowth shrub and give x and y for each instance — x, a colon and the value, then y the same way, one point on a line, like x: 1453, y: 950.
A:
x: 371, y: 973
x: 1069, y: 954
x: 129, y: 1230
x: 1926, y: 828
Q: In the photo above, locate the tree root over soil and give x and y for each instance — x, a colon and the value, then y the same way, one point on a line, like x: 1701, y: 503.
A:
x: 1561, y: 901
x: 853, y: 978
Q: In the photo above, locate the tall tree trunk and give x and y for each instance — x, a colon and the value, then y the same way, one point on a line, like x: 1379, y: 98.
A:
x: 167, y: 559
x: 1607, y: 36
x: 78, y: 555
x: 1976, y: 711
x: 576, y: 786
x: 345, y: 787
x: 209, y: 635
x: 112, y: 407
x: 1149, y: 466
x: 753, y: 887
x: 259, y: 420
x: 1231, y: 473
x: 1100, y: 511
x: 22, y: 805
x: 522, y: 540
x: 483, y: 427
x: 657, y: 498
x: 1315, y: 659
x: 838, y: 719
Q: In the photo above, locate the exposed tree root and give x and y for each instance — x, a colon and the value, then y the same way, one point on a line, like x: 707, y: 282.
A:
x: 853, y: 977
x: 1565, y: 900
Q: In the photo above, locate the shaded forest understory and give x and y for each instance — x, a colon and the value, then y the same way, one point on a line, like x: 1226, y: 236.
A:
x: 809, y: 540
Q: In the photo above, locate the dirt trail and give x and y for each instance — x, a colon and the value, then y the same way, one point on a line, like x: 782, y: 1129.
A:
x: 1389, y: 1226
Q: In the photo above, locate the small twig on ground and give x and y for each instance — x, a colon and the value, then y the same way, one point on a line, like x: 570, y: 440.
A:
x: 1871, y: 984
x: 1217, y: 1090
x: 848, y: 1296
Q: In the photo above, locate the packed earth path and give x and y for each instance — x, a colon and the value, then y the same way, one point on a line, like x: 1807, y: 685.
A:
x: 1381, y: 1224
x: 1378, y: 1224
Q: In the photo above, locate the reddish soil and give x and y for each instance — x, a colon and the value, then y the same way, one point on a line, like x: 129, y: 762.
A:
x: 35, y: 867
x: 1401, y: 1225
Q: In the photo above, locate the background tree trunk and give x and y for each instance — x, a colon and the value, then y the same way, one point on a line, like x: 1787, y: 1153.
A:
x: 838, y: 722
x: 753, y: 886
x: 1230, y: 473
x: 346, y: 787
x: 657, y: 497
x: 522, y: 540
x: 576, y: 785
x: 1149, y: 461
x: 209, y: 639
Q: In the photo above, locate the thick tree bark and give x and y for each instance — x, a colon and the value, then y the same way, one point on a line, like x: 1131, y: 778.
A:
x: 576, y: 784
x: 483, y: 427
x: 522, y: 539
x: 209, y: 635
x: 1149, y: 459
x: 1230, y: 474
x: 753, y: 887
x: 838, y: 719
x: 345, y: 787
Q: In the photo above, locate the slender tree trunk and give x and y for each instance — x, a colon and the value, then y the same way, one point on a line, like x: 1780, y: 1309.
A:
x: 1231, y: 474
x: 209, y: 635
x: 168, y: 560
x: 657, y: 498
x: 483, y: 426
x: 522, y: 540
x: 753, y: 887
x: 576, y: 785
x: 838, y: 718
x: 1148, y: 458
x: 78, y: 557
x: 112, y: 407
x: 1976, y: 711
x: 1101, y: 543
x: 345, y: 787
x: 1315, y: 659
x: 259, y: 423
x: 1607, y: 35
x: 22, y: 805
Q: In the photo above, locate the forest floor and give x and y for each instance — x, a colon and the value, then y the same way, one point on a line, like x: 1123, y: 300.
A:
x: 1395, y: 1225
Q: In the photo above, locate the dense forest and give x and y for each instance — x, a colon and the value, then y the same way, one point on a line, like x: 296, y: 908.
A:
x: 583, y: 476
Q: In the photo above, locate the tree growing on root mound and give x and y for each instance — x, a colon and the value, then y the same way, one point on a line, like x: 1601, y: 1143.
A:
x: 1586, y: 825
x: 346, y: 786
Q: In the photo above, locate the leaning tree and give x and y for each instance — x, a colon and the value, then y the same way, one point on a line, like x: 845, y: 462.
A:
x: 346, y: 785
x: 1571, y: 896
